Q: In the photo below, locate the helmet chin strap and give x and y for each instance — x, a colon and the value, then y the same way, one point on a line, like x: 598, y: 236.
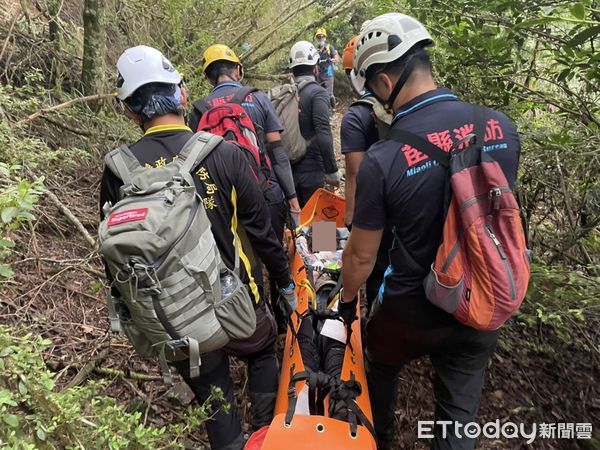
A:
x: 404, y: 76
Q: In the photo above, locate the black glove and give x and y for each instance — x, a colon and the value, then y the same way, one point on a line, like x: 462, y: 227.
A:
x: 347, y: 311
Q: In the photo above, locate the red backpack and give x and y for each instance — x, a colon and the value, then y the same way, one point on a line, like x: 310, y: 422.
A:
x: 481, y: 271
x: 231, y: 121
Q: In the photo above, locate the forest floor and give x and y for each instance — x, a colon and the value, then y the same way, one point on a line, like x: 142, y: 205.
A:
x: 58, y: 290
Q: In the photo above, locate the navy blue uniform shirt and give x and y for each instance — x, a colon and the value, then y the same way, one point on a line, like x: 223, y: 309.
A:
x: 359, y: 128
x: 399, y: 186
x: 262, y: 114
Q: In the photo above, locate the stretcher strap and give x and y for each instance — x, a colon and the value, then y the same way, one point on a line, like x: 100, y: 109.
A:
x: 290, y: 324
x: 292, y: 397
x: 346, y: 392
x: 319, y: 386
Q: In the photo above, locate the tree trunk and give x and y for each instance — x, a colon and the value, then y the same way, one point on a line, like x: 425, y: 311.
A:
x: 53, y: 11
x: 94, y: 46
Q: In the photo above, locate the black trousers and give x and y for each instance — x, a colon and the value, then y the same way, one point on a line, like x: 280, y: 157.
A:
x: 306, y: 184
x: 403, y: 329
x: 224, y: 429
x: 322, y: 354
x: 279, y: 213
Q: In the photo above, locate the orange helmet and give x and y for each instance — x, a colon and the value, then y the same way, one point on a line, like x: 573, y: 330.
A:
x: 348, y: 55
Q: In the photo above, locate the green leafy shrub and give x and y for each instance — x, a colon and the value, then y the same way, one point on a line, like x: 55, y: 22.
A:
x: 34, y: 416
x: 18, y: 144
x: 561, y: 299
x: 18, y: 197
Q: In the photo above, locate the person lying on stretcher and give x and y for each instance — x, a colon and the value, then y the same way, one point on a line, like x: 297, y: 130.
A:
x: 322, y: 341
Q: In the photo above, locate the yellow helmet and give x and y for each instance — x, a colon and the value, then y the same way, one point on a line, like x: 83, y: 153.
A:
x: 321, y: 31
x: 218, y: 52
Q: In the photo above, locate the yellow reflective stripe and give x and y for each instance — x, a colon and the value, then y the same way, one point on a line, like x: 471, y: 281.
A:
x: 238, y: 242
x: 159, y: 128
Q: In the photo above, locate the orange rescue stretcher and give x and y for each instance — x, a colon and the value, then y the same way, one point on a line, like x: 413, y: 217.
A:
x: 289, y: 431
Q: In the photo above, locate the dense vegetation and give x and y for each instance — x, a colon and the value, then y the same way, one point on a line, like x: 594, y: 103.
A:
x: 536, y: 61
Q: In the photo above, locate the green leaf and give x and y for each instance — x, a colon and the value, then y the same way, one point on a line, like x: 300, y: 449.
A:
x: 6, y: 398
x: 538, y: 21
x: 22, y: 388
x: 564, y: 74
x: 6, y: 272
x: 11, y: 420
x: 578, y: 11
x: 9, y: 214
x: 6, y: 243
x: 41, y: 434
x: 588, y: 33
x: 27, y: 216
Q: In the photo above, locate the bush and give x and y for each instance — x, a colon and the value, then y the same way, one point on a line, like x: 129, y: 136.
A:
x: 33, y: 415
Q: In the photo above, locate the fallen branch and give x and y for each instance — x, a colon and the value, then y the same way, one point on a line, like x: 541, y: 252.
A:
x: 85, y: 133
x: 265, y: 77
x: 64, y: 126
x: 136, y: 376
x: 265, y: 38
x: 89, y: 98
x: 338, y: 9
x: 67, y: 212
x: 87, y: 369
x: 9, y: 34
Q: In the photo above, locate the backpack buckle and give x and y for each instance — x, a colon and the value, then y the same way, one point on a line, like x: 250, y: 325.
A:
x: 494, y: 196
x: 180, y: 179
x: 177, y: 343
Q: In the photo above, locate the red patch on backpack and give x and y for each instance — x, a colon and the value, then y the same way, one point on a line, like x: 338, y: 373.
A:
x: 131, y: 215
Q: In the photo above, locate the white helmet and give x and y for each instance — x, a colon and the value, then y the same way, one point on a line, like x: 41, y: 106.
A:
x: 141, y: 65
x: 303, y: 53
x: 385, y: 39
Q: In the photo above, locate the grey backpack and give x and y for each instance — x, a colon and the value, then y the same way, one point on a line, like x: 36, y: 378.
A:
x: 176, y: 298
x: 284, y: 99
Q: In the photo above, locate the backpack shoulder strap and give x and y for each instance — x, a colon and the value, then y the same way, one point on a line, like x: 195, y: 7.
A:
x: 241, y: 94
x: 202, y: 106
x: 434, y: 152
x: 122, y: 163
x: 369, y: 101
x: 300, y: 86
x: 196, y: 150
x: 421, y: 144
x: 480, y: 123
